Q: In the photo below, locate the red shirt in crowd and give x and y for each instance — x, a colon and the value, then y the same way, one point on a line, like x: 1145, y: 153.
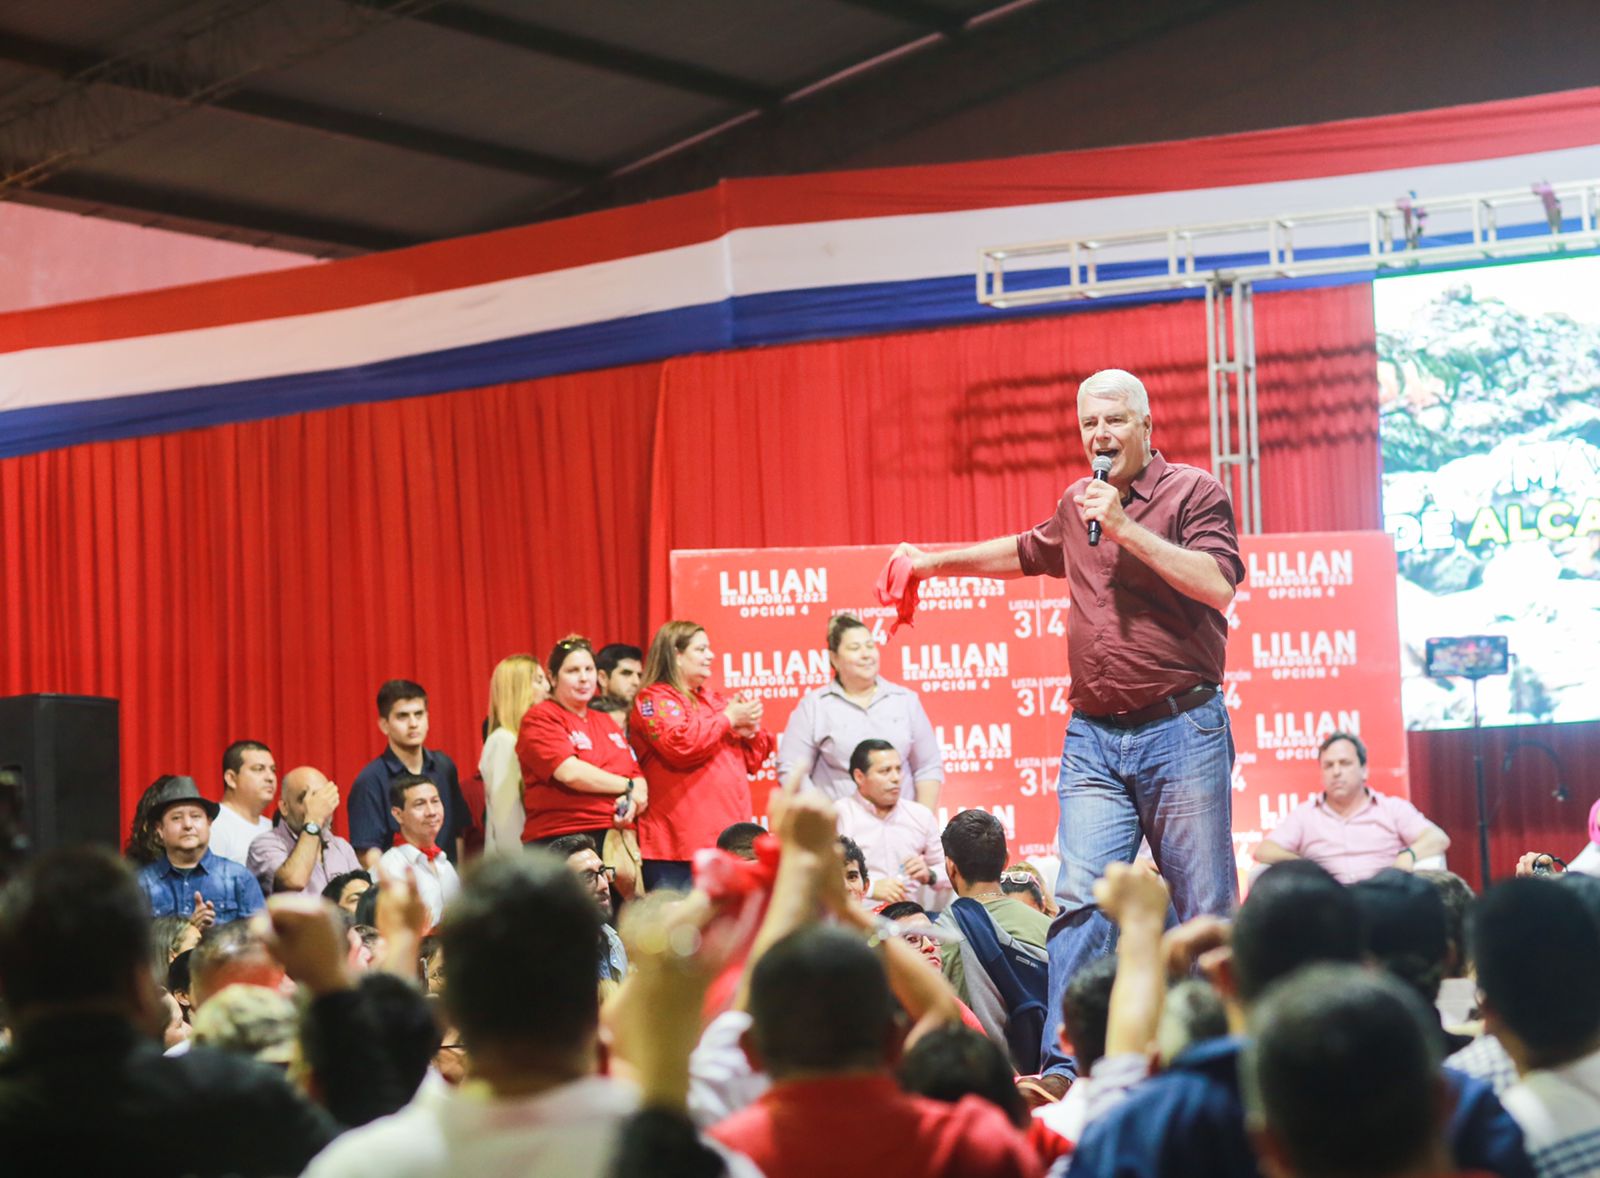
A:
x: 549, y: 735
x: 697, y: 769
x: 867, y: 1125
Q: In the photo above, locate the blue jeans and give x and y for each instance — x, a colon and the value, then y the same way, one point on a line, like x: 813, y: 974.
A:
x: 1169, y: 781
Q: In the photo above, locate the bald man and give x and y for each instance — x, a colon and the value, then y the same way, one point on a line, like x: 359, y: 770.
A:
x: 300, y: 853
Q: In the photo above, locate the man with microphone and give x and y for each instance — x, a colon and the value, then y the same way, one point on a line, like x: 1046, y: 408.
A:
x: 1151, y: 559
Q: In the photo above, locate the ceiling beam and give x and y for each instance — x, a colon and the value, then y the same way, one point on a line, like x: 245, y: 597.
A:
x: 601, y: 55
x: 212, y: 217
x: 371, y: 129
x: 831, y: 124
x: 66, y: 62
x: 914, y: 12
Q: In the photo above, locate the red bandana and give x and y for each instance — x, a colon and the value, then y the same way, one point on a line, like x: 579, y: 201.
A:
x: 897, y: 586
x: 429, y: 853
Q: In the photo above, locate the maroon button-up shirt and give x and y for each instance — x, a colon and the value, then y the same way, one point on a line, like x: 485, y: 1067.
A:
x: 1133, y: 639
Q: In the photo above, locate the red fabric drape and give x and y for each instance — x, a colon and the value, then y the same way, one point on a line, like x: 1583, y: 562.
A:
x: 1523, y: 814
x: 1317, y: 404
x: 262, y: 579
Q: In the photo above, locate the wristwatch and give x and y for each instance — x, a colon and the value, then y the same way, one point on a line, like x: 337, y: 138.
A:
x: 312, y: 828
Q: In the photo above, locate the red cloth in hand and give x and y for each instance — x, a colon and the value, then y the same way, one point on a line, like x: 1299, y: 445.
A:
x: 731, y: 882
x: 897, y: 586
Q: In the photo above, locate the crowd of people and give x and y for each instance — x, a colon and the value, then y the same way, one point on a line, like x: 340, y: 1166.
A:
x: 777, y: 1018
x: 851, y: 988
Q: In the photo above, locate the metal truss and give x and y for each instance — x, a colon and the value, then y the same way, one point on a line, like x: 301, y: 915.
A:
x: 1227, y: 259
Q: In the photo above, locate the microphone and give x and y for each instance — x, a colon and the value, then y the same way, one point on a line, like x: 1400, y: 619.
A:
x: 1101, y: 467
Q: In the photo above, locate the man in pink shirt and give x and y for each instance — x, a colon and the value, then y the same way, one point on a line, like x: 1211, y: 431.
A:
x: 1349, y: 830
x: 898, y: 836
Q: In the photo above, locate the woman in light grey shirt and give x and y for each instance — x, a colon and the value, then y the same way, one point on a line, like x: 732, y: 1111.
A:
x: 829, y: 722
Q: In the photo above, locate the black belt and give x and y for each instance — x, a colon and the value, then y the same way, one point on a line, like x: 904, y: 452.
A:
x: 1162, y: 709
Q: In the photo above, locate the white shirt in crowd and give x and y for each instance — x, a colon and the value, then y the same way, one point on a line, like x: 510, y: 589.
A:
x: 502, y: 791
x: 1558, y: 1110
x: 437, y: 882
x: 570, y: 1131
x: 721, y: 1080
x: 1586, y: 861
x: 232, y: 835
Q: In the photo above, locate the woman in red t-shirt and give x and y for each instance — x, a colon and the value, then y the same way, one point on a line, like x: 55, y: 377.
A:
x: 578, y: 774
x: 697, y: 748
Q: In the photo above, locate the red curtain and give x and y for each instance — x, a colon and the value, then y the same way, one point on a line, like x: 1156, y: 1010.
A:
x: 1317, y: 403
x: 262, y: 579
x: 1523, y: 813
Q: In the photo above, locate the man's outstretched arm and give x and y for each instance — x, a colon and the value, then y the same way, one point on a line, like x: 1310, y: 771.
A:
x: 992, y: 558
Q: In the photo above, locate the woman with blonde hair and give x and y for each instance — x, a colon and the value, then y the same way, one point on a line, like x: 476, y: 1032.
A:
x: 517, y: 684
x: 697, y: 748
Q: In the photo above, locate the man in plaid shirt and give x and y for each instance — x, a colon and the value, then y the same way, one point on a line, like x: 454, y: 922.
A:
x: 1538, y: 956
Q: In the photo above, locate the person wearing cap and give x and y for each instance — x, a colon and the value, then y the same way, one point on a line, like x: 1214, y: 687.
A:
x: 1348, y: 828
x: 188, y: 878
x: 249, y: 1020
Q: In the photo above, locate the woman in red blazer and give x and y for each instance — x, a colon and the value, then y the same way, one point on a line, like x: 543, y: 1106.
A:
x: 697, y: 748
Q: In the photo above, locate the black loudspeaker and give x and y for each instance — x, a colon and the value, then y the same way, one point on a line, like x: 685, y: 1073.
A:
x: 67, y: 749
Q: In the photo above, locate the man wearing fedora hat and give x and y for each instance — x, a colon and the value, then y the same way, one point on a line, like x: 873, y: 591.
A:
x: 188, y: 879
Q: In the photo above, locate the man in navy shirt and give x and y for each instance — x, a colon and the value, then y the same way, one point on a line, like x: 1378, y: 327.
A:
x: 1190, y: 1119
x: 403, y: 719
x: 188, y: 879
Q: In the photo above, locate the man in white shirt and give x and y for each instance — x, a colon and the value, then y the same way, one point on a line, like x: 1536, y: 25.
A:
x: 1537, y: 950
x: 898, y: 836
x: 414, y: 802
x: 519, y: 984
x: 249, y: 784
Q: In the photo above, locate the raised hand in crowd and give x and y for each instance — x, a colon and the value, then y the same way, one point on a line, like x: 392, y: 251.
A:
x: 1196, y: 943
x: 402, y: 919
x: 928, y: 999
x: 306, y: 936
x: 1137, y: 901
x: 675, y: 948
x: 806, y: 825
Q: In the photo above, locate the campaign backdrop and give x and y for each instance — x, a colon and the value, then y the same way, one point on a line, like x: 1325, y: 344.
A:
x: 1314, y: 649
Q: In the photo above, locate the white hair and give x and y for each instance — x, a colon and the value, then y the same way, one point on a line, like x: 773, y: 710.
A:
x: 1116, y: 385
